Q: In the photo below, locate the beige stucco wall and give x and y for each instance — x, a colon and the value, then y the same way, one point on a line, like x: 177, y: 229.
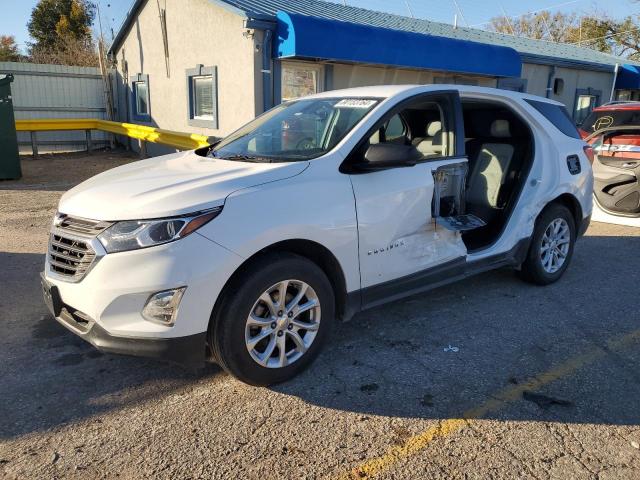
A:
x: 538, y: 76
x: 198, y: 33
x: 345, y: 76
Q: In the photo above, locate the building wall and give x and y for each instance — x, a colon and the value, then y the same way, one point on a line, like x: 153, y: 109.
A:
x: 345, y: 76
x: 202, y: 33
x: 56, y: 91
x: 537, y: 77
x: 198, y: 32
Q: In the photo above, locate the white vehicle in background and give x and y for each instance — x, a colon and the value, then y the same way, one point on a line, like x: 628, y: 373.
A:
x: 248, y: 251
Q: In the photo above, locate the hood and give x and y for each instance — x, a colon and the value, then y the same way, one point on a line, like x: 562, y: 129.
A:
x: 167, y: 186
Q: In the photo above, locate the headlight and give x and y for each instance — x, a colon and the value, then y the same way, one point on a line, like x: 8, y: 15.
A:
x: 134, y: 234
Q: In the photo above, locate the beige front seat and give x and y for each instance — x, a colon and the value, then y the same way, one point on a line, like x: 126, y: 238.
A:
x: 490, y: 166
x: 431, y: 145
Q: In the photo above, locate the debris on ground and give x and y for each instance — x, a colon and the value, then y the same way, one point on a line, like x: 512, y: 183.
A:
x: 427, y: 400
x: 369, y: 387
x: 544, y: 401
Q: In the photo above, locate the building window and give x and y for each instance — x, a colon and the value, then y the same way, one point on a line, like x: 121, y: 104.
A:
x: 202, y: 88
x: 586, y: 101
x: 140, y: 105
x: 624, y: 96
x: 300, y: 80
x: 142, y: 98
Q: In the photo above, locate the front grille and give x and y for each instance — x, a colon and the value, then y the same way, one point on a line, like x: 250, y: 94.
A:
x: 70, y: 252
x: 81, y: 225
x: 70, y: 257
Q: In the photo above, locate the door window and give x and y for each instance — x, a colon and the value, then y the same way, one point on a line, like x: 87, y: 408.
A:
x: 394, y: 130
x: 421, y: 125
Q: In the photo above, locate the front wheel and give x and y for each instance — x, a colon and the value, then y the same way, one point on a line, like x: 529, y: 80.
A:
x: 272, y: 319
x: 551, y: 247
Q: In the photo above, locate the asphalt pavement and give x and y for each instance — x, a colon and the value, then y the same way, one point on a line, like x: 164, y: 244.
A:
x: 487, y: 378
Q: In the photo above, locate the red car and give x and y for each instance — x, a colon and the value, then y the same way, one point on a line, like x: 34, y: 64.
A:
x: 613, y: 131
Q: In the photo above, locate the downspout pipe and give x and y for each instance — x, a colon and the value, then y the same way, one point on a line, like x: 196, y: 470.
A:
x: 268, y: 26
x: 552, y: 73
x: 615, y: 80
x: 267, y: 84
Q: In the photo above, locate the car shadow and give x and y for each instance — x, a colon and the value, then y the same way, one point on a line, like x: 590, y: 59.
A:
x: 50, y: 377
x: 472, y: 344
x: 431, y: 356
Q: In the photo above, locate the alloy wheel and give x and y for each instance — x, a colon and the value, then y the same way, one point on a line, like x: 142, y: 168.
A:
x: 282, y: 324
x: 555, y: 245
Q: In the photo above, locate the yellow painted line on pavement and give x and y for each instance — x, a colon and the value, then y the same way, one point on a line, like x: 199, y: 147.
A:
x: 417, y: 443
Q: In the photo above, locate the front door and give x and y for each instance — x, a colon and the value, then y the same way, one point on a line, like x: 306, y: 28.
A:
x: 398, y: 236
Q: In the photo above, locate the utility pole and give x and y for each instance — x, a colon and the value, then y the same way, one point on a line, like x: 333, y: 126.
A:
x: 508, y: 20
x: 580, y: 38
x: 544, y: 20
x: 406, y: 2
x: 455, y: 3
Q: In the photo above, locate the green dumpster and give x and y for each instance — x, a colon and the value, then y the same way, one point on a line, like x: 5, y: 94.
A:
x: 9, y: 157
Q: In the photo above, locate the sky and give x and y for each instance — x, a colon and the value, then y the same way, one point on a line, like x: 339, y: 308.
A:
x: 16, y: 13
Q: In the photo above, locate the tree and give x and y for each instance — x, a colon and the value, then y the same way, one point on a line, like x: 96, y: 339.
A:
x: 615, y: 37
x: 62, y: 32
x: 9, y: 49
x: 52, y: 20
x: 81, y: 53
x: 540, y: 26
x: 595, y: 30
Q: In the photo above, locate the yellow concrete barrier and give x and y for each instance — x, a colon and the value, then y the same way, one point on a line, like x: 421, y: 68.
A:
x: 184, y: 141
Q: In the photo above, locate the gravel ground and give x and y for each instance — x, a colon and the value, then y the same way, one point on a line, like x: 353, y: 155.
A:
x: 487, y: 378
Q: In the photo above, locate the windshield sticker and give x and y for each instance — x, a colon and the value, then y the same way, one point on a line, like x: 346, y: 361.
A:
x: 355, y: 103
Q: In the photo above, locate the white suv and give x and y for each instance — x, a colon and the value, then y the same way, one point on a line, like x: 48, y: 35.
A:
x: 246, y: 252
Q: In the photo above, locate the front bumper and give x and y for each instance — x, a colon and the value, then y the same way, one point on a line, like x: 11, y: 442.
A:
x: 188, y: 351
x: 104, y: 308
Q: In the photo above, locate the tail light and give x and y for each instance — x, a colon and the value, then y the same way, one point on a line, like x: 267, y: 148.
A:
x: 588, y: 151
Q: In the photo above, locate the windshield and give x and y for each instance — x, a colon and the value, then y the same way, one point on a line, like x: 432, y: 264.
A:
x: 598, y: 120
x: 299, y: 130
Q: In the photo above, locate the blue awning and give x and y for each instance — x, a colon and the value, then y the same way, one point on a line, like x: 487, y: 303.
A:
x: 305, y: 37
x: 628, y: 77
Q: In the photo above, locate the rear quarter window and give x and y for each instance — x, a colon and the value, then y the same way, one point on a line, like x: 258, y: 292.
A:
x: 557, y: 115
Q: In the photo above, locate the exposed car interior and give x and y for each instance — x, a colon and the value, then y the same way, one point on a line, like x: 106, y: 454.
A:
x: 500, y: 149
x: 614, y: 133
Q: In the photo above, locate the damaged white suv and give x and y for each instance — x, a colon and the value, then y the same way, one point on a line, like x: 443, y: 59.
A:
x: 248, y: 251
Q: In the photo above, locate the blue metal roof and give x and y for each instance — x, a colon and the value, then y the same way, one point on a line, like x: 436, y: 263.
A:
x: 532, y: 51
x: 298, y: 37
x: 539, y: 50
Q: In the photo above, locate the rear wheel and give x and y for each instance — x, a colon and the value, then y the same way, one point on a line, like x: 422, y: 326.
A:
x: 551, y: 247
x: 272, y: 319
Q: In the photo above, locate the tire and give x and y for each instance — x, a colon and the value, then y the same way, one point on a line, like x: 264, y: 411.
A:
x: 538, y: 268
x: 232, y: 332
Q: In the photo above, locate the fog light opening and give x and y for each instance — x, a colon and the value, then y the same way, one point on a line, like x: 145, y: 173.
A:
x: 162, y: 307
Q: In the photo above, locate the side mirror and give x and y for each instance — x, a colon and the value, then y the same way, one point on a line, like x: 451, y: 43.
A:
x: 383, y: 156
